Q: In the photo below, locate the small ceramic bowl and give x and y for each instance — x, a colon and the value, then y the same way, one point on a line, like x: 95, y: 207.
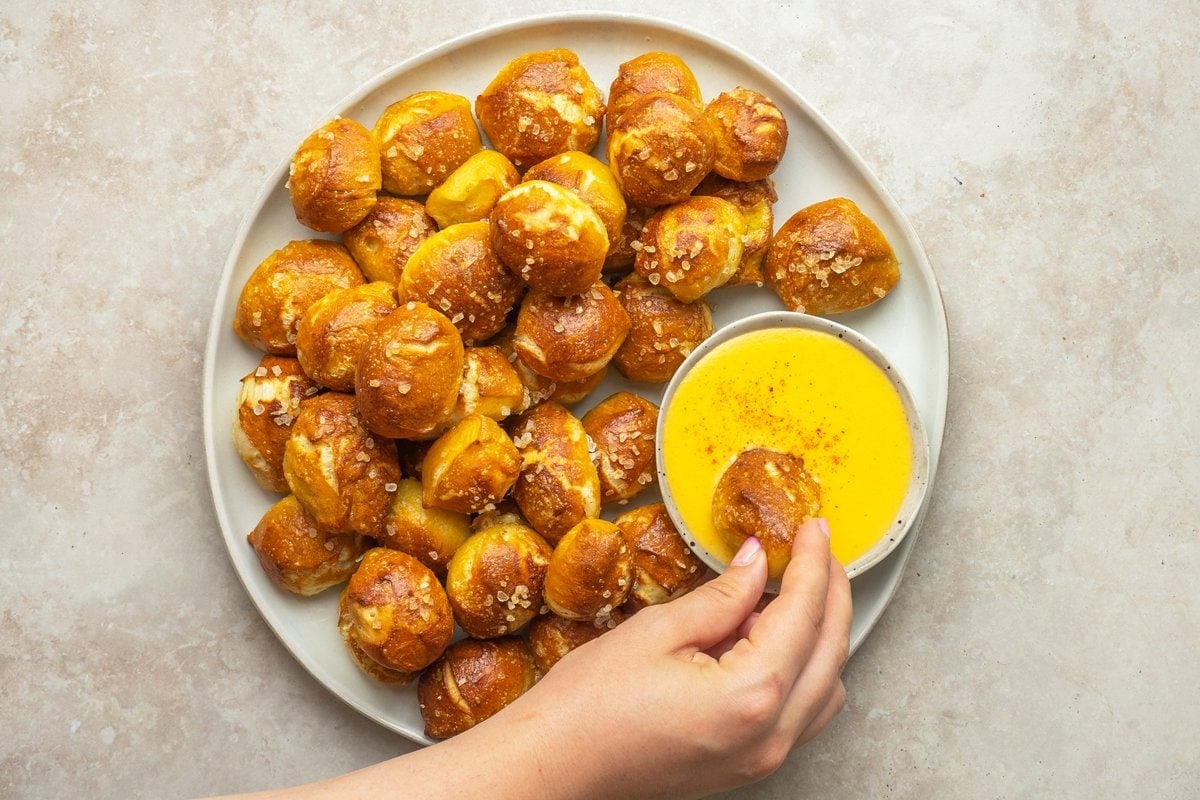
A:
x: 918, y: 485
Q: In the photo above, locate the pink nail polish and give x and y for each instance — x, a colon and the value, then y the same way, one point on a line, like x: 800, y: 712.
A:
x: 747, y: 552
x: 823, y: 524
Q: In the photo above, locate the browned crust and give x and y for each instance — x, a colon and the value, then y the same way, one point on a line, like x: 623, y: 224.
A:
x: 471, y: 682
x: 590, y: 573
x: 830, y: 258
x: 284, y: 285
x: 663, y: 331
x: 750, y: 134
x: 519, y: 108
x: 335, y: 176
x: 622, y: 427
x: 656, y: 71
x: 299, y: 556
x: 569, y: 338
x: 267, y: 405
x: 692, y: 247
x: 755, y: 200
x: 495, y: 579
x: 559, y: 485
x: 593, y: 181
x: 410, y: 372
x: 470, y: 467
x: 329, y: 433
x: 422, y: 139
x: 430, y: 535
x: 551, y: 637
x: 664, y: 567
x: 334, y: 329
x: 457, y: 272
x: 385, y: 239
x: 660, y: 149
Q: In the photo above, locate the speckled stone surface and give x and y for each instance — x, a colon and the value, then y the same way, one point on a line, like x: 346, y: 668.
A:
x: 1046, y: 639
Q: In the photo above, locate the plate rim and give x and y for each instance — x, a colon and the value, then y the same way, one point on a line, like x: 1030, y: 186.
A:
x: 270, y: 182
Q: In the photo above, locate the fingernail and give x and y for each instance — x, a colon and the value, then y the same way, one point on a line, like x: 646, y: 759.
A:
x: 747, y: 552
x: 823, y: 524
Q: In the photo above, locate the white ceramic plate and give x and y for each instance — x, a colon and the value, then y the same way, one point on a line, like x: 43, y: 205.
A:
x: 909, y: 325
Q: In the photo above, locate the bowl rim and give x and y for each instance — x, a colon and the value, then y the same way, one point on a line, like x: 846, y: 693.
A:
x: 919, y: 479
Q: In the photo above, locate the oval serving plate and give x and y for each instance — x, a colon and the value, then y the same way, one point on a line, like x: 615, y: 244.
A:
x: 909, y: 325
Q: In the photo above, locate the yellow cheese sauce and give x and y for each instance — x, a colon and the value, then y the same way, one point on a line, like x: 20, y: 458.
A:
x: 797, y: 391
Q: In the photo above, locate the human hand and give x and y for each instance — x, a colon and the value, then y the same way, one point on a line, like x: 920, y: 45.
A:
x: 697, y: 695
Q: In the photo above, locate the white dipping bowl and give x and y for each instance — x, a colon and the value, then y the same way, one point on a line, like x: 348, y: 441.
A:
x: 918, y: 485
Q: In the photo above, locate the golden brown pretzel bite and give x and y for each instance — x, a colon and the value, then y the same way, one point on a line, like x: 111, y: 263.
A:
x: 300, y: 557
x: 385, y: 239
x: 495, y: 579
x: 473, y: 681
x: 660, y: 149
x: 569, y: 338
x: 622, y: 427
x: 590, y: 572
x: 267, y: 405
x: 750, y: 134
x: 334, y: 329
x: 664, y: 567
x: 334, y: 177
x: 559, y: 485
x: 648, y: 73
x: 692, y: 247
x: 423, y: 138
x: 663, y: 331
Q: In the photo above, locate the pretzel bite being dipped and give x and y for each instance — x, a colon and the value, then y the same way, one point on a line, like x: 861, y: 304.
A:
x: 394, y: 616
x: 456, y: 271
x: 430, y: 535
x: 473, y: 681
x: 470, y: 467
x: 495, y: 579
x: 663, y: 331
x: 339, y: 471
x: 664, y: 567
x: 551, y: 637
x: 284, y: 285
x: 334, y: 177
x: 333, y: 330
x: 385, y: 239
x: 409, y: 372
x: 297, y: 555
x: 692, y: 247
x: 541, y: 104
x: 765, y: 494
x: 830, y: 258
x: 750, y: 134
x: 267, y: 405
x: 622, y: 428
x: 423, y: 138
x: 648, y: 73
x: 754, y: 200
x: 660, y: 149
x: 559, y: 485
x: 593, y: 181
x: 590, y: 572
x: 549, y: 237
x: 570, y: 338
x: 470, y: 192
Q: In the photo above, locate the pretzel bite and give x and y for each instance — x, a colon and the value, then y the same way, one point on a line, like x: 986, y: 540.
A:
x: 471, y: 682
x: 491, y: 386
x: 457, y: 272
x: 663, y: 331
x: 750, y: 134
x: 754, y: 200
x: 430, y: 535
x: 469, y: 193
x: 621, y: 253
x: 551, y: 637
x: 299, y: 556
x: 495, y: 579
x: 333, y: 330
x: 541, y: 104
x: 267, y: 405
x: 830, y: 258
x: 334, y: 177
x: 692, y: 247
x: 622, y: 428
x: 284, y: 285
x: 593, y: 181
x: 766, y: 494
x: 590, y: 572
x: 409, y: 372
x: 339, y: 471
x: 648, y: 73
x: 423, y: 138
x: 559, y: 485
x: 385, y: 239
x: 664, y: 567
x: 538, y: 387
x: 394, y: 616
x: 570, y: 338
x: 550, y: 237
x: 470, y: 467
x: 660, y: 149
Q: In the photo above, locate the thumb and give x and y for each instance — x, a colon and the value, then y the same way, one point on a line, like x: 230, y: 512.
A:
x: 714, y: 611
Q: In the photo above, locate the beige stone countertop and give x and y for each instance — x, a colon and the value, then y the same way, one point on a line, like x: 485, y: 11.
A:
x: 1045, y: 641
